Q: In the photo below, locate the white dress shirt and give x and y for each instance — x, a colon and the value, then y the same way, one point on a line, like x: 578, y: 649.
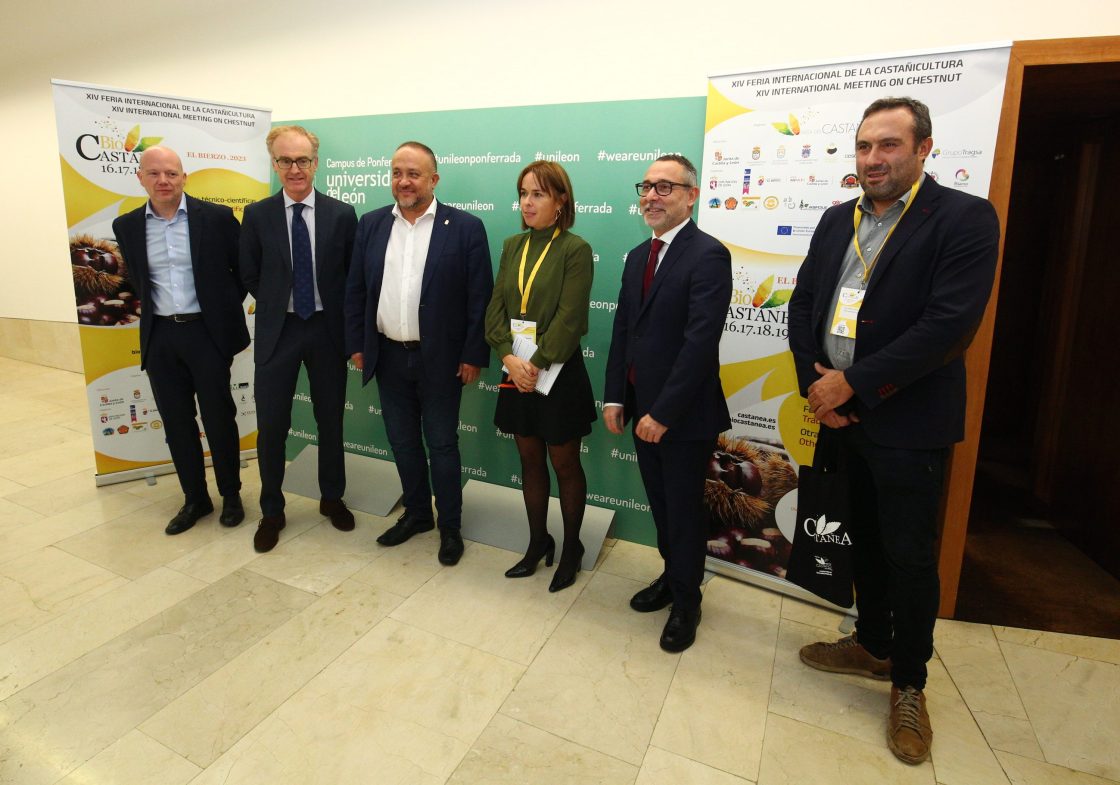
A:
x: 398, y: 308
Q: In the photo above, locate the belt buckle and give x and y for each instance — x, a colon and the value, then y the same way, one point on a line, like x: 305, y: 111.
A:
x: 177, y: 318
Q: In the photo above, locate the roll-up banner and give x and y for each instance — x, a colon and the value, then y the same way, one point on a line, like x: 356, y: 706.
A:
x: 779, y: 149
x: 101, y: 133
x: 605, y: 148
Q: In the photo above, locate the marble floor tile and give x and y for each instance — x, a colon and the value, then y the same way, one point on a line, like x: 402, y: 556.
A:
x: 800, y: 754
x: 64, y: 493
x: 49, y: 462
x: 84, y: 707
x: 8, y: 487
x: 973, y: 658
x: 73, y: 634
x: 401, y: 569
x: 512, y: 752
x: 1027, y: 771
x: 474, y: 603
x: 234, y: 549
x: 726, y: 673
x: 812, y: 615
x: 210, y: 717
x: 45, y: 583
x: 664, y: 768
x: 853, y: 706
x: 601, y: 679
x: 13, y: 515
x: 639, y: 563
x: 1101, y: 649
x: 320, y: 558
x: 401, y: 702
x: 135, y: 544
x: 1074, y: 706
x: 134, y: 759
x: 52, y: 529
x: 960, y: 753
x: 27, y: 436
x: 16, y: 405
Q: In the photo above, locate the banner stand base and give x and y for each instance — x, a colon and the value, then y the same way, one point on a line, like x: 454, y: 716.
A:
x: 495, y: 515
x: 149, y: 473
x: 372, y: 485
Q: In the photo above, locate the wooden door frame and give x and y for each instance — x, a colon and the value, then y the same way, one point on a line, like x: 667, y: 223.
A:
x: 962, y: 465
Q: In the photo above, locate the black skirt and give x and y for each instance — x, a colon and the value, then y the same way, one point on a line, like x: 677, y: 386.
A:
x: 564, y: 414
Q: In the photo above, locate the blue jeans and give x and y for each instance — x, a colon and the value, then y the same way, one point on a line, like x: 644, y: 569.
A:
x: 419, y: 411
x: 895, y: 495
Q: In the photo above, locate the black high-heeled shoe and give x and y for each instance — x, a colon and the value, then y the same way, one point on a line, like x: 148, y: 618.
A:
x: 528, y: 565
x: 565, y: 574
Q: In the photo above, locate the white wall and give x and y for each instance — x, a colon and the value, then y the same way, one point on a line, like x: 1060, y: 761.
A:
x: 326, y: 58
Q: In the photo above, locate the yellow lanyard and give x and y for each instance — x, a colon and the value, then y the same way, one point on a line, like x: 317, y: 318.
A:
x: 523, y: 287
x: 858, y: 216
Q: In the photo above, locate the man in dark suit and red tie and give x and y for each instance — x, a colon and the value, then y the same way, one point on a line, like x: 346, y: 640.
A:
x: 663, y: 373
x: 419, y: 285
x: 890, y: 294
x: 295, y: 251
x: 181, y: 253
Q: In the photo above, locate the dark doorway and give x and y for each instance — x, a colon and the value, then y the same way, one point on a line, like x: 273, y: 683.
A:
x: 1043, y: 544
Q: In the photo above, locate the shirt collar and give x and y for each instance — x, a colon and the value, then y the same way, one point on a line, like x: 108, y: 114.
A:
x: 430, y: 211
x: 902, y: 200
x: 308, y: 201
x: 669, y: 236
x: 181, y: 210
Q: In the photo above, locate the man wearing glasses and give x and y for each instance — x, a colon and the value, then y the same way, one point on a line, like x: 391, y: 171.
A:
x: 295, y: 251
x: 663, y: 373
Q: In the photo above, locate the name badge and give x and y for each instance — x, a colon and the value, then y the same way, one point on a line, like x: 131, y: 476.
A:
x: 847, y: 311
x: 523, y: 327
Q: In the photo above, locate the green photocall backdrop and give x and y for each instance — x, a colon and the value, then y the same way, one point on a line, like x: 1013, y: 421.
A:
x: 606, y: 148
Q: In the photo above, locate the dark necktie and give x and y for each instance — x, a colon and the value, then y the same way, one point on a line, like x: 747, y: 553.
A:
x: 651, y: 265
x: 647, y: 279
x: 303, y: 276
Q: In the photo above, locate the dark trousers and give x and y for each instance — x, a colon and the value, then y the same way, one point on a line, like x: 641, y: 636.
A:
x: 673, y: 475
x: 895, y: 495
x: 183, y: 362
x: 415, y: 406
x: 302, y: 342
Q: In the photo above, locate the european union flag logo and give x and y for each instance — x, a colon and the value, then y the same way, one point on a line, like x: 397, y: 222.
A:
x: 785, y: 230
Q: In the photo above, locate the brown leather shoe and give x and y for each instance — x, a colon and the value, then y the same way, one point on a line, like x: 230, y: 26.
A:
x: 268, y: 533
x: 846, y: 656
x: 335, y: 509
x: 909, y: 734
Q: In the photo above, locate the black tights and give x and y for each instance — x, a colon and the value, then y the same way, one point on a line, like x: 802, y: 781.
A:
x: 536, y: 485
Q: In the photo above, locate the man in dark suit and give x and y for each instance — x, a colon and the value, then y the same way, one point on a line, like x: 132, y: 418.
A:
x: 888, y: 297
x: 663, y: 373
x: 182, y: 257
x: 419, y: 285
x: 295, y: 251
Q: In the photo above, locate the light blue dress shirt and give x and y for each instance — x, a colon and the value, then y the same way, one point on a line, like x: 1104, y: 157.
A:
x: 170, y: 271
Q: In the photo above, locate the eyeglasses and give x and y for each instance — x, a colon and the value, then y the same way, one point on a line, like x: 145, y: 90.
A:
x: 286, y: 163
x: 663, y: 187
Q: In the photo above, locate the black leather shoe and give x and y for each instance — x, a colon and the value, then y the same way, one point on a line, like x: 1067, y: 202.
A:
x: 567, y: 570
x: 654, y: 597
x: 335, y: 509
x: 233, y: 512
x: 188, y: 516
x: 450, y: 547
x: 404, y: 528
x: 268, y: 533
x: 680, y: 630
x: 528, y: 565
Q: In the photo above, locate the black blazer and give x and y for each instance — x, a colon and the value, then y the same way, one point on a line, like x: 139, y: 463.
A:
x: 266, y: 265
x: 672, y: 339
x: 454, y: 293
x: 924, y: 301
x: 213, y: 233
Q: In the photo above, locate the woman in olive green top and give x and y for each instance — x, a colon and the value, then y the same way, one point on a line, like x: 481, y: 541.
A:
x: 543, y: 292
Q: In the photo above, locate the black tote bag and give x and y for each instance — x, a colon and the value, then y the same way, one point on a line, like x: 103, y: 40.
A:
x: 820, y: 560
